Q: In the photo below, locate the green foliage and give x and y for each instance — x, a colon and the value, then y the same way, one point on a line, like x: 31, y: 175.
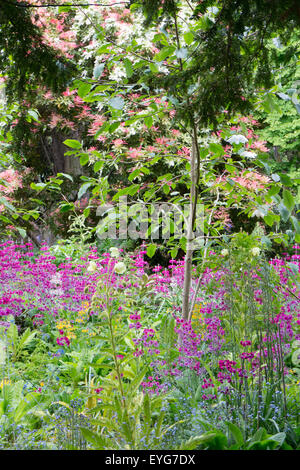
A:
x: 203, y: 71
x: 282, y: 129
x: 18, y: 409
x: 25, y: 59
x: 16, y: 344
x: 261, y: 440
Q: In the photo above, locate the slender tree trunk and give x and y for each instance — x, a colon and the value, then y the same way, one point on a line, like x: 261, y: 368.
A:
x: 190, y: 227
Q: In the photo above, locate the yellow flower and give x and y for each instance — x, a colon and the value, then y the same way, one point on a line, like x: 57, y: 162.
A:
x: 4, y: 382
x: 198, y: 320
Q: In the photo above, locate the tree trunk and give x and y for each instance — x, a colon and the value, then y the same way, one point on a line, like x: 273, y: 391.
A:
x: 54, y: 151
x: 190, y: 228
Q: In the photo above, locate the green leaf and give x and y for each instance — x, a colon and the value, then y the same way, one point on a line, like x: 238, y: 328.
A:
x: 12, y: 334
x: 5, y: 219
x: 288, y: 200
x: 98, y: 70
x: 134, y: 174
x: 73, y: 144
x: 279, y: 438
x: 269, y: 219
x: 128, y: 68
x: 174, y: 252
x: 294, y: 268
x: 283, y: 96
x: 69, y: 177
x: 192, y: 443
x: 84, y: 159
x: 7, y: 204
x: 164, y: 53
x: 113, y: 127
x: 275, y: 177
x: 66, y: 207
x: 166, y: 189
x: 270, y: 104
x: 284, y: 212
x: 64, y: 9
x: 285, y: 179
x: 97, y: 166
x: 22, y: 232
x: 188, y: 37
x: 153, y: 68
x: 102, y: 129
x: 26, y: 338
x: 136, y: 382
x: 129, y: 190
x: 30, y: 401
x: 83, y: 189
x: 148, y: 121
x: 296, y: 356
x: 34, y: 115
x: 86, y: 212
x: 236, y: 432
x: 217, y: 149
x: 273, y: 191
x: 84, y: 89
x: 151, y: 249
x: 99, y: 442
x: 147, y: 409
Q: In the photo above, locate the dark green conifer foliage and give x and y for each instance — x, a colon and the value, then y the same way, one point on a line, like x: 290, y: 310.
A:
x: 23, y: 57
x: 231, y: 59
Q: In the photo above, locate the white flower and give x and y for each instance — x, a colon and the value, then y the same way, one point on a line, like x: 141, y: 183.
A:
x: 114, y: 252
x: 258, y: 213
x: 56, y: 279
x: 120, y: 267
x: 248, y: 154
x: 92, y: 267
x: 255, y: 251
x: 237, y: 139
x: 58, y: 292
x: 224, y: 252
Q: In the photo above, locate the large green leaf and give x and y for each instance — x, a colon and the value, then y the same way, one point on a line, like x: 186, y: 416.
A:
x: 284, y: 212
x: 236, y: 432
x: 151, y: 249
x: 288, y: 200
x: 73, y: 144
x: 164, y: 53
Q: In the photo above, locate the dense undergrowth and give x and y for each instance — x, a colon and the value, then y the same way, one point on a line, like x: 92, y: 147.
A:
x: 95, y: 354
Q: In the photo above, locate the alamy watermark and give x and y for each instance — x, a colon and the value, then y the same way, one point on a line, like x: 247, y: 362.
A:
x: 149, y: 221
